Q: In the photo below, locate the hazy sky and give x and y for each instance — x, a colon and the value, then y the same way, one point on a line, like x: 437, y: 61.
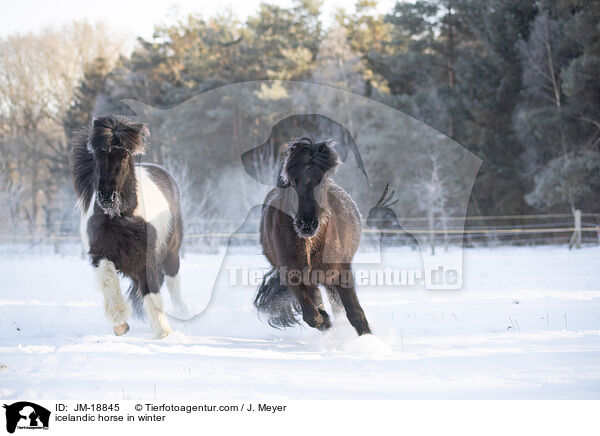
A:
x: 132, y: 18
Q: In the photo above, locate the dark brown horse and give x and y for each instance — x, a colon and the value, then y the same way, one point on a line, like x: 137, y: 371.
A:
x: 310, y: 229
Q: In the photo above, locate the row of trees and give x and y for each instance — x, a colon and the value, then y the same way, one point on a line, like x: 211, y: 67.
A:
x: 513, y: 81
x: 39, y: 93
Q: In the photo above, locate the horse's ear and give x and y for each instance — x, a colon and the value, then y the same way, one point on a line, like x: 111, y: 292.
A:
x: 143, y: 138
x: 325, y: 147
x: 282, y: 182
x: 330, y: 150
x: 290, y: 148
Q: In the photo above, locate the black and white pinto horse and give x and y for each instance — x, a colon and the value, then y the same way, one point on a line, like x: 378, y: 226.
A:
x: 130, y: 221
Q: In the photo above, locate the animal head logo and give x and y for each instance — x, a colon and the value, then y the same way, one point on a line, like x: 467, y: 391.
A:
x: 382, y: 216
x: 26, y: 415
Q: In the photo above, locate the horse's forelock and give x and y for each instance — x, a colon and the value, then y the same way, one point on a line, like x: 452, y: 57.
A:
x: 305, y: 151
x: 111, y: 132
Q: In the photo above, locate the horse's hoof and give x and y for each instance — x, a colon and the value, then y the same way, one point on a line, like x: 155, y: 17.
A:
x: 363, y: 329
x: 324, y: 327
x: 161, y: 330
x: 326, y: 323
x: 120, y: 330
x: 162, y: 334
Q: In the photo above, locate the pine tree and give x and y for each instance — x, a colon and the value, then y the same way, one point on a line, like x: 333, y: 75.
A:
x: 85, y: 96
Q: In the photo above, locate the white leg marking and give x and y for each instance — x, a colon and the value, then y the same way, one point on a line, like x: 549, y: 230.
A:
x: 174, y: 287
x: 116, y: 308
x: 158, y: 319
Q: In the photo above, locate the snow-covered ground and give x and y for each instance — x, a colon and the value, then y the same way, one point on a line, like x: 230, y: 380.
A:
x: 525, y: 325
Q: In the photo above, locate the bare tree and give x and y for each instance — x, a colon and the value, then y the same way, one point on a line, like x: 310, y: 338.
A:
x: 436, y: 187
x: 11, y: 193
x: 38, y: 75
x: 540, y: 57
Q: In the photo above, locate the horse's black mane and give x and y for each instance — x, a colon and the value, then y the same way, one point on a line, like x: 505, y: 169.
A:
x: 82, y: 169
x: 306, y: 150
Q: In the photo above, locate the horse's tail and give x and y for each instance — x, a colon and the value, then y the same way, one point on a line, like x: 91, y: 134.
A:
x: 136, y: 298
x: 277, y: 301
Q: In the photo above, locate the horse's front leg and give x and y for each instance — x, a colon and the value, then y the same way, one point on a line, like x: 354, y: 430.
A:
x: 312, y: 314
x: 153, y: 303
x: 349, y: 300
x: 354, y: 311
x: 116, y: 308
x: 315, y: 294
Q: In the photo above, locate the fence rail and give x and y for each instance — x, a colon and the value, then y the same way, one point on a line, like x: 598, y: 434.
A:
x: 422, y: 218
x: 364, y: 231
x: 532, y: 229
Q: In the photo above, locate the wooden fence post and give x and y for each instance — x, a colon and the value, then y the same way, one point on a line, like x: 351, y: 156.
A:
x: 576, y: 238
x: 431, y: 223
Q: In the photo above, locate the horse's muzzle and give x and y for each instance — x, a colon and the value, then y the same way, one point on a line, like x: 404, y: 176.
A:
x: 306, y: 227
x: 106, y: 197
x: 108, y: 201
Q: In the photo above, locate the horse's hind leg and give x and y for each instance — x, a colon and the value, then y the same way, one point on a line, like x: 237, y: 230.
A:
x: 116, y: 308
x: 171, y: 269
x: 336, y: 302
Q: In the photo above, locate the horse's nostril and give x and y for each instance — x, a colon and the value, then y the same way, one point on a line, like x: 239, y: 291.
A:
x: 314, y: 224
